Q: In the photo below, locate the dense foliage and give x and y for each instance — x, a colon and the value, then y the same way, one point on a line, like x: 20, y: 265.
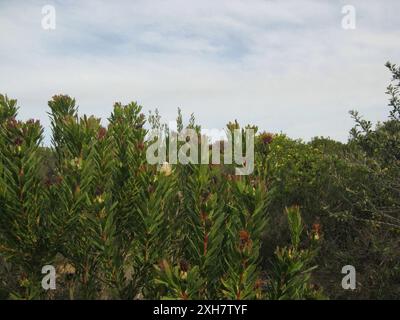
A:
x: 116, y: 227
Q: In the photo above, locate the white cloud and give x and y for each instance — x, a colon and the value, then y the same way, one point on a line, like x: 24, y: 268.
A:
x: 285, y: 66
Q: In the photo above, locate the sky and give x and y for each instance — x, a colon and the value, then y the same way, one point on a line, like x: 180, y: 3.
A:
x: 286, y: 66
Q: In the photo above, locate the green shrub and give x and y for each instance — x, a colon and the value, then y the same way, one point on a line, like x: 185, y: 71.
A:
x: 116, y: 227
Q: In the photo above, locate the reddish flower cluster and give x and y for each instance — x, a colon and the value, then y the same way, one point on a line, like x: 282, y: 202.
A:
x: 140, y: 146
x: 203, y: 217
x: 50, y: 181
x: 266, y: 137
x: 163, y: 264
x: 245, y: 241
x: 33, y: 122
x: 184, y: 265
x: 142, y: 168
x: 18, y: 141
x: 12, y: 123
x: 244, y: 236
x: 101, y: 133
x: 205, y: 244
x: 316, y: 231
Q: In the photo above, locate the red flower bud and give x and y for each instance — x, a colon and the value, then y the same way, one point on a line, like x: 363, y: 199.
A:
x: 101, y: 133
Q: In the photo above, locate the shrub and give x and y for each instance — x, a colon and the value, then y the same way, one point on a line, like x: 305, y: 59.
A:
x: 116, y: 227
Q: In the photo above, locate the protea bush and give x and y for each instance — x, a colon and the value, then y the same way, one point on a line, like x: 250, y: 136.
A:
x: 116, y: 227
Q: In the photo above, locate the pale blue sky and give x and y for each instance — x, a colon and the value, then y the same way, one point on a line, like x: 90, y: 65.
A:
x: 282, y: 65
